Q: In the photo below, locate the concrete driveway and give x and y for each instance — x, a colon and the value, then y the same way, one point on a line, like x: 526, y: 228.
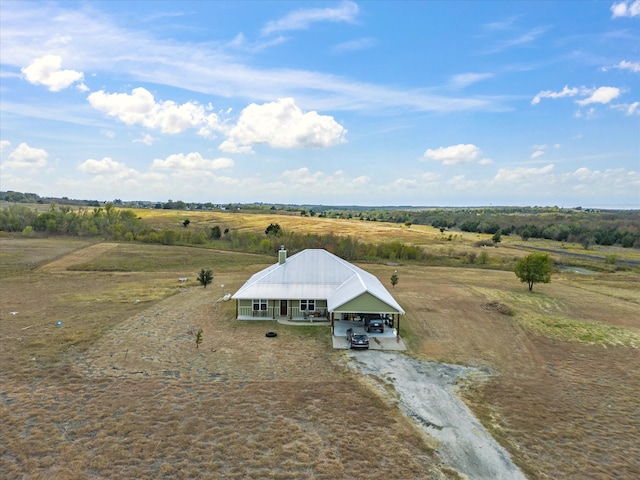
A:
x: 388, y: 340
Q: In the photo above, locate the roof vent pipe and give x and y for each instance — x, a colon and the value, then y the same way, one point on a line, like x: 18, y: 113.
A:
x: 282, y: 255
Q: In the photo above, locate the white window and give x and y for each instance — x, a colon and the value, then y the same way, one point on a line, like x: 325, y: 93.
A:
x: 259, y: 305
x: 309, y: 305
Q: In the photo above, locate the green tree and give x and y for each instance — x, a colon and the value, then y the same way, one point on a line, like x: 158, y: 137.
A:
x: 497, y: 237
x: 534, y: 268
x: 198, y: 338
x: 216, y: 233
x: 205, y: 277
x: 273, y: 229
x: 394, y: 279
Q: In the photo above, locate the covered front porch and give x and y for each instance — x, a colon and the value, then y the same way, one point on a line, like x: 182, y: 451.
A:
x: 287, y: 310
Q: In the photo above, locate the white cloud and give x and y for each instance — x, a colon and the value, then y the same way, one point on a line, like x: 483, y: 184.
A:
x: 140, y: 108
x: 565, y: 92
x: 210, y: 68
x: 590, y: 114
x: 523, y: 39
x: 303, y: 176
x: 465, y: 79
x: 601, y: 95
x: 633, y: 109
x: 301, y: 19
x: 460, y: 182
x: 355, y: 45
x: 521, y: 174
x: 625, y: 65
x: 25, y: 156
x: 426, y: 179
x: 593, y: 95
x: 4, y: 144
x: 229, y: 147
x: 112, y: 177
x: 628, y: 108
x: 106, y: 166
x: 191, y: 162
x: 537, y: 153
x: 485, y: 161
x: 361, y: 181
x: 453, y: 155
x: 47, y: 71
x: 597, y: 181
x: 146, y: 139
x: 333, y: 184
x: 626, y: 9
x: 282, y: 124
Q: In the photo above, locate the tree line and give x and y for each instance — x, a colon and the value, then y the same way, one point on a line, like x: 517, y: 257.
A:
x: 122, y: 224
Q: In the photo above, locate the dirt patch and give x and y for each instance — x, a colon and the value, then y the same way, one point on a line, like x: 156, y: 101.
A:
x: 496, y: 306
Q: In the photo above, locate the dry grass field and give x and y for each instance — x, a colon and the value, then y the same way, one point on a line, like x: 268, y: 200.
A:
x: 119, y: 390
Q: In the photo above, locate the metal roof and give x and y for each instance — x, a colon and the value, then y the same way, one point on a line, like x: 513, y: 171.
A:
x: 315, y: 274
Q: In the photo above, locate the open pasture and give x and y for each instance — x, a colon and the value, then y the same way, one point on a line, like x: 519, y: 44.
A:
x: 120, y: 390
x: 447, y: 247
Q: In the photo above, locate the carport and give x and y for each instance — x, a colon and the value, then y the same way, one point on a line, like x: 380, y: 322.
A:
x: 361, y: 299
x: 387, y: 340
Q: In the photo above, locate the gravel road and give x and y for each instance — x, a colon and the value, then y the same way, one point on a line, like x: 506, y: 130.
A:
x: 427, y: 394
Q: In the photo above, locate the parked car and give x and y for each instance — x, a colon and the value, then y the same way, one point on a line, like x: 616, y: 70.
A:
x: 357, y: 340
x: 375, y: 324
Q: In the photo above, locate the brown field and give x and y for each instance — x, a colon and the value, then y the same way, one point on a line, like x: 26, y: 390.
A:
x: 120, y: 390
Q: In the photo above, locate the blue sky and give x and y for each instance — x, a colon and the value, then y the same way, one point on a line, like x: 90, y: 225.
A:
x: 340, y: 103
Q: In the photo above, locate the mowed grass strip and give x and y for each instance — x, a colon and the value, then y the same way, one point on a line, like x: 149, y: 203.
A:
x: 135, y: 257
x: 19, y: 255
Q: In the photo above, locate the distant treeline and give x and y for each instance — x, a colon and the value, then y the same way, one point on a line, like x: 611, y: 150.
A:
x: 576, y: 225
x: 601, y: 227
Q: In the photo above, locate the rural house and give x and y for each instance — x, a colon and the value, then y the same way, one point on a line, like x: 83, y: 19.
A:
x: 314, y: 284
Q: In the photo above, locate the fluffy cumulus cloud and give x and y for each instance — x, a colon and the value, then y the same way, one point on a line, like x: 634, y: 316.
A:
x: 601, y: 95
x: 141, y: 108
x: 25, y: 156
x: 190, y: 162
x: 48, y: 71
x: 453, y: 155
x: 106, y: 166
x: 282, y: 124
x: 592, y: 95
x: 627, y: 8
x: 109, y: 177
x: 588, y: 182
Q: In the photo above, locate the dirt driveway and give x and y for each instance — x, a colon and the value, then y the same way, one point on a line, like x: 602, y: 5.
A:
x: 428, y: 395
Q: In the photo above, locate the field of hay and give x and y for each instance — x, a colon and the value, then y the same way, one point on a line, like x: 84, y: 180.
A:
x: 119, y: 389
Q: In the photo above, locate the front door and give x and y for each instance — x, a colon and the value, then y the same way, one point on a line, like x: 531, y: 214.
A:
x: 283, y: 308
